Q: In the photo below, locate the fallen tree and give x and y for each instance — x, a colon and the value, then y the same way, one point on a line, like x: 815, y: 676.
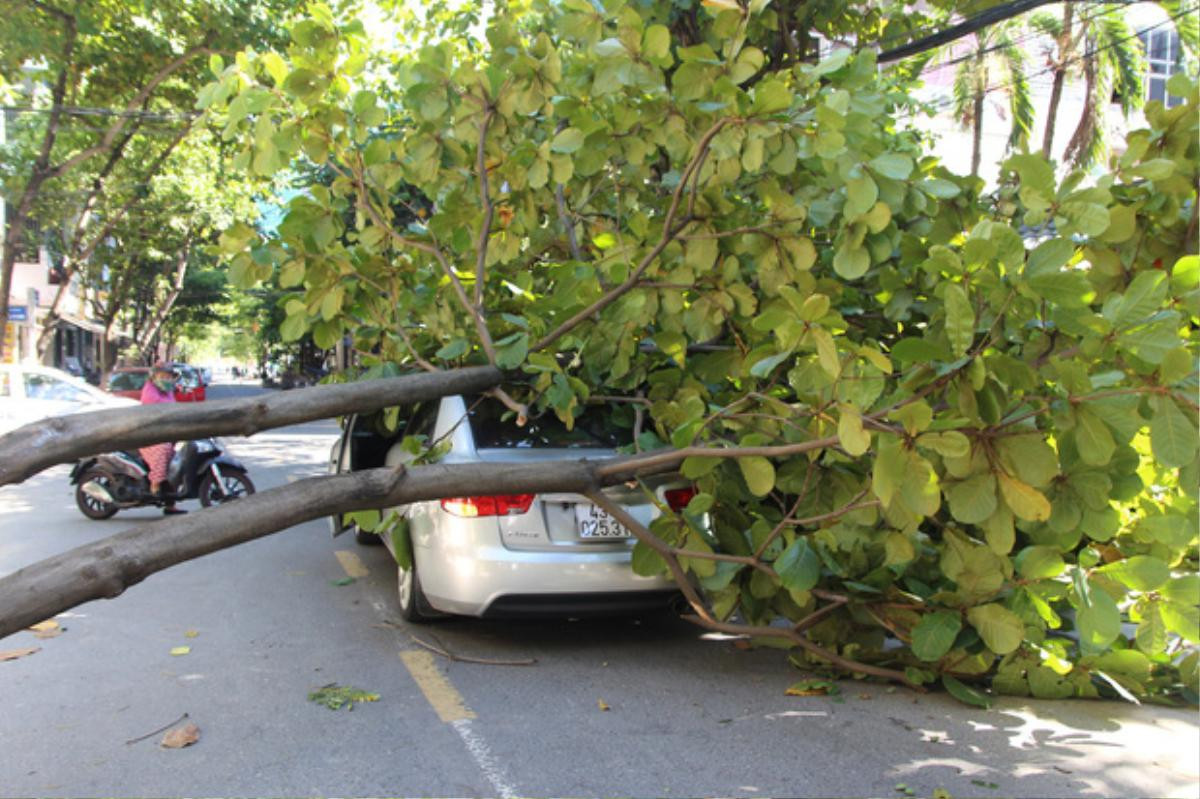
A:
x: 930, y: 448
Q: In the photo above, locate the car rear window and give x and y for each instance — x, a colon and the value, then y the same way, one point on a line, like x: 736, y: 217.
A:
x: 127, y: 381
x: 495, y: 427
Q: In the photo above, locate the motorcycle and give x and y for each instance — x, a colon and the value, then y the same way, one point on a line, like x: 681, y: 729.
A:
x: 116, y: 481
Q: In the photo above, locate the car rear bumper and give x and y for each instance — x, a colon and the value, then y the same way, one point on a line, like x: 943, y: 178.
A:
x: 495, y: 581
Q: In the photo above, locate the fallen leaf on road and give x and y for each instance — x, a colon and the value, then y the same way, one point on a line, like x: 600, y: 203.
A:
x: 191, y: 633
x: 812, y: 688
x: 48, y: 633
x: 45, y: 626
x: 335, y: 697
x: 343, y: 581
x: 13, y: 654
x: 181, y: 737
x: 181, y: 650
x: 600, y: 703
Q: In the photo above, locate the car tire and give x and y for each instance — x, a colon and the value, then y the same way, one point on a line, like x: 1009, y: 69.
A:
x: 414, y: 607
x: 93, y: 507
x: 235, y: 483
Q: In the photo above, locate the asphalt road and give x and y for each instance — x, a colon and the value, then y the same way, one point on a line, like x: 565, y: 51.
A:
x: 617, y: 707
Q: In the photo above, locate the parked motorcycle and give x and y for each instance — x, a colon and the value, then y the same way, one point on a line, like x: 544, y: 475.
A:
x: 200, y: 469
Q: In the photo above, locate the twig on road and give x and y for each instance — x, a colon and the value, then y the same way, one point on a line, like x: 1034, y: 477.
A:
x: 156, y: 732
x: 441, y: 650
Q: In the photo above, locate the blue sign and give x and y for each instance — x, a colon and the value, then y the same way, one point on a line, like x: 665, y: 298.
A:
x: 18, y: 313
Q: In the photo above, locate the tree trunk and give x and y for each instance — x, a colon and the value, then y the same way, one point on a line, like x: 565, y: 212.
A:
x: 1077, y: 147
x: 63, y: 439
x: 1060, y: 77
x: 977, y: 134
x: 168, y: 302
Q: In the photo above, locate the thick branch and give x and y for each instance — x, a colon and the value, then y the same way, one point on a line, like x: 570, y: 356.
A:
x: 105, y: 568
x: 63, y: 439
x: 485, y: 200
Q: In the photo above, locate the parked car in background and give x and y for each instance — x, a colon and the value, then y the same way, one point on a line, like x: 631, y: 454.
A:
x: 501, y: 556
x: 31, y: 393
x: 190, y: 385
x: 127, y: 381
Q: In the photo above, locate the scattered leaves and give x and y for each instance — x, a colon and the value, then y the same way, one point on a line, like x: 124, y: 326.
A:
x: 13, y: 654
x: 343, y: 581
x: 180, y: 650
x: 191, y: 634
x: 335, y: 697
x: 180, y: 737
x: 600, y: 703
x: 813, y: 687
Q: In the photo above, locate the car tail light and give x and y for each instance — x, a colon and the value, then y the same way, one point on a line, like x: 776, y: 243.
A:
x: 678, y: 498
x: 495, y: 505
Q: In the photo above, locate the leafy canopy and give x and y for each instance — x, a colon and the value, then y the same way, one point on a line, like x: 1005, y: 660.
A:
x: 908, y: 424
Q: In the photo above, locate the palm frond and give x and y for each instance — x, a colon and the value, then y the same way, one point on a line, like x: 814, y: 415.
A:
x: 1020, y: 99
x: 1046, y: 24
x: 965, y: 81
x: 1121, y: 58
x: 1187, y: 23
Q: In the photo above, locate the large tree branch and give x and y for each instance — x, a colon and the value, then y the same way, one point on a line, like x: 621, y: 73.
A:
x: 62, y: 439
x: 118, y: 125
x: 965, y: 28
x: 485, y: 200
x: 105, y: 568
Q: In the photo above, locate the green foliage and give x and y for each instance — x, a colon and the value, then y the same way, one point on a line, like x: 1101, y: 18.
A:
x: 985, y: 450
x: 336, y: 697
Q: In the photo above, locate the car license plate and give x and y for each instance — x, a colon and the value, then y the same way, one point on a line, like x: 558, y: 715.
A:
x: 595, y: 523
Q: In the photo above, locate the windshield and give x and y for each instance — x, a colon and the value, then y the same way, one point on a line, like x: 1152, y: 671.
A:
x: 127, y: 381
x: 495, y: 427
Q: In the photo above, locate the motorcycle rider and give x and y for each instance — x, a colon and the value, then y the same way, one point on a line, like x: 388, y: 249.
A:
x: 160, y: 388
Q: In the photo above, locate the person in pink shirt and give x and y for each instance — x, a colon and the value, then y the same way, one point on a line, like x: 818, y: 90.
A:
x: 160, y: 388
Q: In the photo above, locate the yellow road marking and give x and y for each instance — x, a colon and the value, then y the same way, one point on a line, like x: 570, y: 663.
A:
x: 351, y: 563
x: 446, y: 700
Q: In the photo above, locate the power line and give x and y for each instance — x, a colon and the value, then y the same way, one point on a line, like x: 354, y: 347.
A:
x: 81, y: 111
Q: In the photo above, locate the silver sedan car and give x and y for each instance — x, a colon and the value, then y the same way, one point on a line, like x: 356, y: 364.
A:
x: 511, y: 555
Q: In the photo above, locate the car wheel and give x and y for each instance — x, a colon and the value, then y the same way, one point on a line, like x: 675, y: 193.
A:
x: 91, y: 506
x: 234, y: 485
x: 414, y: 607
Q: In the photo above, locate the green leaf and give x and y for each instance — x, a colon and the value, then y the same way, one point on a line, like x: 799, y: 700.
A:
x: 1145, y: 295
x: 567, y: 141
x: 851, y: 261
x: 646, y: 562
x: 896, y: 166
x: 1099, y: 623
x: 890, y: 468
x: 1140, y: 572
x: 1092, y: 438
x: 1039, y: 563
x: 918, y: 350
x: 798, y: 566
x: 960, y: 319
x: 512, y: 355
x: 1183, y: 620
x: 367, y: 520
x: 697, y: 466
x: 1151, y: 633
x: 973, y: 500
x: 771, y: 96
x: 1173, y: 437
x: 1049, y: 257
x: 656, y: 42
x: 999, y: 627
x: 934, y: 634
x: 853, y: 438
x: 827, y: 354
x: 759, y: 474
x: 861, y: 194
x: 1025, y: 501
x: 454, y: 349
x: 965, y: 693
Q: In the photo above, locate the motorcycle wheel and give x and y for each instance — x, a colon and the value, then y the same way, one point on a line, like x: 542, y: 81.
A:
x: 93, y: 507
x: 234, y: 484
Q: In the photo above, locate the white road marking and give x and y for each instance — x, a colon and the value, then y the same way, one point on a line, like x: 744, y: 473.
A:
x: 485, y: 759
x: 448, y: 703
